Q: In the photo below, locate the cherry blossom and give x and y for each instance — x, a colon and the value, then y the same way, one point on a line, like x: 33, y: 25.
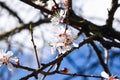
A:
x: 64, y: 40
x: 6, y: 58
x: 105, y: 75
x: 60, y: 14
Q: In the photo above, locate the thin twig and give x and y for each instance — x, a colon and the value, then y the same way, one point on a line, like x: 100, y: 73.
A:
x: 35, y: 50
x: 37, y: 6
x: 59, y: 58
x: 23, y: 67
x: 98, y: 52
x: 56, y: 4
x: 22, y: 27
x: 111, y: 13
x: 11, y: 11
x: 75, y: 74
x: 47, y: 72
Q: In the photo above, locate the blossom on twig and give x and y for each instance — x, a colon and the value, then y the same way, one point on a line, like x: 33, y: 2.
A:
x: 105, y: 75
x: 63, y: 41
x: 64, y: 70
x: 6, y: 58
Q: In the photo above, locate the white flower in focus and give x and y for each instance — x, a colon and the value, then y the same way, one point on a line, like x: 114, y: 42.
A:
x: 105, y: 75
x: 7, y: 59
x: 64, y: 41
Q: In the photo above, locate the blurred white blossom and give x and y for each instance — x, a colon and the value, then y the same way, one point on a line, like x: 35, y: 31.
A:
x: 7, y: 59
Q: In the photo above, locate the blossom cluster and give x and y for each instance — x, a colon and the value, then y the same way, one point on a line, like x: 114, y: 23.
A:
x: 7, y: 58
x: 65, y: 38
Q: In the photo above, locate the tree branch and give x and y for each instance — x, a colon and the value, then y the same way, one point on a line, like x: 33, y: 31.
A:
x: 111, y: 13
x: 35, y: 50
x: 59, y: 58
x: 98, y: 52
x: 22, y: 27
x: 37, y: 6
x: 11, y: 11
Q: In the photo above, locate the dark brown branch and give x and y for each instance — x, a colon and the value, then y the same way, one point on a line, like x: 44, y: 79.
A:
x: 22, y: 27
x: 111, y: 13
x: 23, y: 67
x: 58, y: 59
x: 56, y: 4
x: 75, y: 74
x: 109, y: 44
x: 79, y: 22
x: 11, y: 11
x: 98, y: 52
x: 35, y: 50
x: 37, y: 6
x: 47, y: 72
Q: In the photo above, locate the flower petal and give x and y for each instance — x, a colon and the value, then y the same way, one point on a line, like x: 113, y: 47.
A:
x: 10, y: 67
x: 1, y: 63
x: 104, y: 74
x: 13, y: 59
x: 9, y: 54
x: 75, y: 44
x: 1, y: 52
x: 53, y: 50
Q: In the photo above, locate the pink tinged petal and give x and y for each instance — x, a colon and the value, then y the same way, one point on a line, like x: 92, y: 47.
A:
x: 1, y: 53
x: 64, y: 49
x: 53, y: 50
x: 104, y: 74
x: 9, y: 54
x: 1, y: 63
x: 10, y: 67
x: 13, y: 59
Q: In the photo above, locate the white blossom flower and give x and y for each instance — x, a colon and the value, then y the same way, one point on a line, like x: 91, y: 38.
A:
x: 64, y: 41
x: 7, y: 59
x: 105, y: 75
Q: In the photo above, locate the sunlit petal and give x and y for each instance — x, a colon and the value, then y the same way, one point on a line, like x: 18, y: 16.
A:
x: 104, y: 74
x: 10, y: 67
